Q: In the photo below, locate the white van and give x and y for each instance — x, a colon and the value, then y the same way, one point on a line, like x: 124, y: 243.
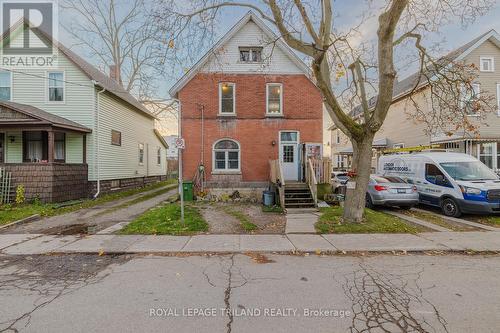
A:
x: 458, y: 183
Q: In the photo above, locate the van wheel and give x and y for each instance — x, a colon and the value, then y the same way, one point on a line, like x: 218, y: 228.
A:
x: 450, y: 208
x: 369, y: 203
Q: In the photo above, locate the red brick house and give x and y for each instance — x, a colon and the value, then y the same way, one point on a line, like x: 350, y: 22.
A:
x: 248, y: 101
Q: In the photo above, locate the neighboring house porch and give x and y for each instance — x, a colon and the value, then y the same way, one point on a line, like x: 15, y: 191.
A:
x: 44, y: 152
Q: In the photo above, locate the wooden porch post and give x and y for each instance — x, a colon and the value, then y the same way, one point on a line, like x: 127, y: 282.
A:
x: 50, y: 151
x: 84, y: 161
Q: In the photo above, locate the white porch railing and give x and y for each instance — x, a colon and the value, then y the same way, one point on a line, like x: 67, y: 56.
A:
x: 5, y: 186
x: 276, y: 177
x: 311, y: 181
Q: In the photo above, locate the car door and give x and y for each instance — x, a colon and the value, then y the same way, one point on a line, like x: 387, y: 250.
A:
x: 436, y: 184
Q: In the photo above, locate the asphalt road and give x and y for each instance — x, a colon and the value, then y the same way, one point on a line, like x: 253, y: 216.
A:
x: 239, y: 293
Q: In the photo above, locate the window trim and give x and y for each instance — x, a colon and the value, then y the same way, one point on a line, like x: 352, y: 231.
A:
x: 226, y: 170
x: 158, y: 156
x: 492, y: 69
x: 498, y: 99
x: 251, y: 49
x: 220, y: 99
x: 139, y: 153
x: 268, y: 114
x: 11, y: 84
x: 116, y: 144
x: 47, y: 87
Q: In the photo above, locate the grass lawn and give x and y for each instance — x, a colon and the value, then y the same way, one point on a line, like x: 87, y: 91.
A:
x: 494, y: 221
x: 245, y: 221
x: 166, y: 220
x: 375, y: 222
x: 11, y: 213
x: 272, y: 209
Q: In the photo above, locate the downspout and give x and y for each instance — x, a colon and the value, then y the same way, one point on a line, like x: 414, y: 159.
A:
x: 97, y: 164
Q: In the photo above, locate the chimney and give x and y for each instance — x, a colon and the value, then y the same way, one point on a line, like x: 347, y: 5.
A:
x: 114, y: 73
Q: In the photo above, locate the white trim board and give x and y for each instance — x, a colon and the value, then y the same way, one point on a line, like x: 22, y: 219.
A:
x: 250, y: 16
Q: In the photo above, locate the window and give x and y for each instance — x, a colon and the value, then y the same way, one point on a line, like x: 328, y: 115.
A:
x: 338, y: 137
x: 158, y: 156
x: 398, y: 145
x: 227, y: 98
x: 116, y: 138
x: 274, y: 99
x: 250, y: 54
x: 498, y: 99
x: 2, y: 143
x: 435, y: 176
x: 59, y: 147
x: 486, y: 153
x: 35, y: 146
x: 141, y: 153
x: 56, y: 87
x: 226, y: 155
x: 470, y: 97
x: 487, y: 64
x: 5, y: 85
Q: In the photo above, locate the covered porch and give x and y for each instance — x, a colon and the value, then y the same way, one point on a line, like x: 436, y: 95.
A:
x: 45, y: 153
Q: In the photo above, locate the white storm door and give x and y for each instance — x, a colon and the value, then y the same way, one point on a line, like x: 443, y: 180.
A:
x: 289, y: 155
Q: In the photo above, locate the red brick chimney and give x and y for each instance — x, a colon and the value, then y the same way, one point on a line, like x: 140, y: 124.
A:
x: 114, y: 73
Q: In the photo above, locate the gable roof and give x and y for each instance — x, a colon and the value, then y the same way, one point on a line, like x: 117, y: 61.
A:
x: 101, y: 79
x: 406, y: 86
x: 37, y: 116
x: 250, y: 16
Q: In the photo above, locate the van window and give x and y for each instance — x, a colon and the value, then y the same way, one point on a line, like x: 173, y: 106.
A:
x: 385, y: 179
x: 432, y: 172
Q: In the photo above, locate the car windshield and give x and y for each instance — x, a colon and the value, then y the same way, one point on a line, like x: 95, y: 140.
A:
x: 380, y: 179
x: 474, y: 170
x: 343, y: 177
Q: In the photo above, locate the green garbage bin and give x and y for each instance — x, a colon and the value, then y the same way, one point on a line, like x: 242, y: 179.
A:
x: 187, y: 188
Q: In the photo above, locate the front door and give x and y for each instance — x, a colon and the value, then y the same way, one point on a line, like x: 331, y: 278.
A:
x: 2, y: 147
x: 289, y: 154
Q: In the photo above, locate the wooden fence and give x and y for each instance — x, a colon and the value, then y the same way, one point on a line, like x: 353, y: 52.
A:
x: 276, y: 177
x: 5, y: 186
x: 322, y: 170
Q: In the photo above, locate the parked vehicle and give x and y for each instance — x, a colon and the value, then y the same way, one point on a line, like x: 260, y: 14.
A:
x: 390, y: 191
x: 458, y: 183
x: 339, y: 179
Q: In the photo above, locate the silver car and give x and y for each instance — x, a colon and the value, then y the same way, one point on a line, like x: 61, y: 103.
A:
x: 390, y: 191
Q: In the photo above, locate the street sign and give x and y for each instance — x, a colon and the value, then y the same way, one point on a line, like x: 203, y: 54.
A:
x: 180, y: 143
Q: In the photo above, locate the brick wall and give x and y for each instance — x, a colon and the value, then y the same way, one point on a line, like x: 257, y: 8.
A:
x: 256, y: 133
x: 50, y: 182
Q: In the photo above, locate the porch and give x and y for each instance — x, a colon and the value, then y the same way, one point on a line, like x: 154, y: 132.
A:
x: 45, y: 153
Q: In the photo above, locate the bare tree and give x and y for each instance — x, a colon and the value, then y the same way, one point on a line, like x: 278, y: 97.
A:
x: 343, y: 69
x: 122, y: 37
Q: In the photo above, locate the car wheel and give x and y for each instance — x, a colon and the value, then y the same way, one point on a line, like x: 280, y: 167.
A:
x: 369, y: 202
x: 450, y: 208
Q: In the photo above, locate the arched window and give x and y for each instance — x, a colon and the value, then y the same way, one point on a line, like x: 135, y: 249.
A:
x: 226, y: 155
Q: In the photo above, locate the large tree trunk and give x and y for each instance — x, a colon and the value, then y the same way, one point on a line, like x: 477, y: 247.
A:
x: 361, y: 164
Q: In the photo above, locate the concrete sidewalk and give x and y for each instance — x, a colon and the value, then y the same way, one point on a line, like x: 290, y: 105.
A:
x: 338, y: 243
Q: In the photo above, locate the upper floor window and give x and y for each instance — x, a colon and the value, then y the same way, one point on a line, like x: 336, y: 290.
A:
x: 470, y: 98
x: 274, y: 99
x: 116, y: 138
x: 487, y: 64
x: 338, y: 137
x: 250, y: 54
x: 141, y: 153
x: 56, y: 86
x: 227, y: 98
x: 5, y: 85
x: 158, y: 156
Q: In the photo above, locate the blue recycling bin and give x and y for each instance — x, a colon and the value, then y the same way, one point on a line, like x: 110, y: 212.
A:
x: 268, y: 198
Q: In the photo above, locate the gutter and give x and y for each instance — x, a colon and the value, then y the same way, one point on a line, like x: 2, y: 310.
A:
x: 97, y: 163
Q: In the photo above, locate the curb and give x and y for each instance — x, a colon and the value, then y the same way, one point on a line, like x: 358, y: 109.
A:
x: 31, y: 218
